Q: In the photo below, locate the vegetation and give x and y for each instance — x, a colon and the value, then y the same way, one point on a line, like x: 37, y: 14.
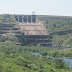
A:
x: 6, y: 18
x: 59, y: 25
x: 8, y: 39
x: 15, y: 58
x: 63, y: 40
x: 61, y: 29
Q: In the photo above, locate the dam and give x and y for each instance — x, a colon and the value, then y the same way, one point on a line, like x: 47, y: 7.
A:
x: 29, y: 25
x: 28, y: 30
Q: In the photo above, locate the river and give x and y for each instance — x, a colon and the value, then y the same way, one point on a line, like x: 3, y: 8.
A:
x: 64, y: 59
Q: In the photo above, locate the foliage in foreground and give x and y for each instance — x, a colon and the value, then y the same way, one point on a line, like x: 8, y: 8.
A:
x: 19, y: 59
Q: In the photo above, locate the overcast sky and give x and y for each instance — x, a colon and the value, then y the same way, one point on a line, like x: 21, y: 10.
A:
x: 41, y: 7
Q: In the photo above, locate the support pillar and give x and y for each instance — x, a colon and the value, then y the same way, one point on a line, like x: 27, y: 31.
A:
x: 22, y: 19
x: 36, y: 19
x: 27, y: 18
x: 18, y: 19
x: 31, y: 19
x: 14, y: 18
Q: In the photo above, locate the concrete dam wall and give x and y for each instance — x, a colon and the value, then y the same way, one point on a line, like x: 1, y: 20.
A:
x: 33, y: 33
x: 28, y: 30
x: 29, y: 25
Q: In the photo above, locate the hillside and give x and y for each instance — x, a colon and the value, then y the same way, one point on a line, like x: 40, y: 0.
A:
x: 8, y: 29
x: 17, y: 58
x: 60, y: 27
x: 6, y: 18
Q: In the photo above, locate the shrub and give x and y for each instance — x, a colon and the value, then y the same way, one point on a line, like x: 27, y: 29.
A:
x: 60, y: 64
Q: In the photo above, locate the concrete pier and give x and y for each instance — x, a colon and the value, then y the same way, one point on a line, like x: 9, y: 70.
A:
x: 26, y: 18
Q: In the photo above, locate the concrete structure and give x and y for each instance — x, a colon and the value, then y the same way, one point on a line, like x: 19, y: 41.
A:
x: 25, y: 18
x: 33, y: 29
x: 33, y: 33
x: 27, y: 30
x: 29, y: 25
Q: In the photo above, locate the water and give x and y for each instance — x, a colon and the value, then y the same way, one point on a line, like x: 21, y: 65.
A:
x: 68, y: 60
x: 64, y: 59
x: 37, y: 54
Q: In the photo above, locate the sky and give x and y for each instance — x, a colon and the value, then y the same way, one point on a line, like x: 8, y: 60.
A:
x: 41, y: 7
